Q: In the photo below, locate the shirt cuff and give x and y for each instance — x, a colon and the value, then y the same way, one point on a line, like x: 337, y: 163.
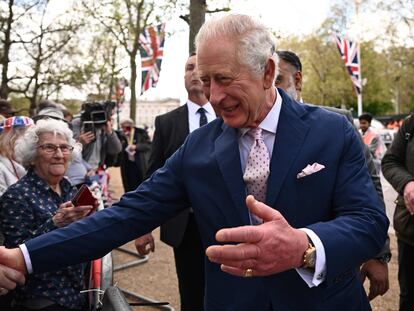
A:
x: 314, y: 278
x: 26, y: 256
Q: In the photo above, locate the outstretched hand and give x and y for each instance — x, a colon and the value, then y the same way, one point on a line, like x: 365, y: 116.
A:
x: 266, y: 249
x: 13, y: 258
x: 9, y: 278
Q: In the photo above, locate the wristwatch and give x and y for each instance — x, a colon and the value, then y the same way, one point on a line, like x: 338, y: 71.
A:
x: 309, y: 256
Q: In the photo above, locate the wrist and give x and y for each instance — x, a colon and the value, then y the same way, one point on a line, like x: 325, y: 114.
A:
x: 303, y: 243
x: 309, y: 256
x: 18, y: 263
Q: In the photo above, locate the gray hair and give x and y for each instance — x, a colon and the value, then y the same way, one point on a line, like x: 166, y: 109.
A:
x: 255, y: 43
x: 26, y: 146
x: 8, y: 139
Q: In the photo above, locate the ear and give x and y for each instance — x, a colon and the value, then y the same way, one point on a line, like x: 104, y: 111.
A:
x: 269, y: 74
x: 298, y: 81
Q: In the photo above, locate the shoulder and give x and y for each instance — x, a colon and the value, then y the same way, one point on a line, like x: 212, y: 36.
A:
x: 207, y: 133
x: 141, y: 131
x: 325, y: 115
x: 15, y: 191
x: 173, y: 113
x: 3, y: 167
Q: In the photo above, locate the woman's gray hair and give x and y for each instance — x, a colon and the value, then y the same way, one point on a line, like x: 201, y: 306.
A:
x: 26, y: 146
x: 255, y: 44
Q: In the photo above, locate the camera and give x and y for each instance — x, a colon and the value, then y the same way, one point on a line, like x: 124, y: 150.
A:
x: 96, y: 113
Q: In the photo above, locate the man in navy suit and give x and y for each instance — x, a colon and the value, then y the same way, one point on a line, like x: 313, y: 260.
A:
x: 321, y: 215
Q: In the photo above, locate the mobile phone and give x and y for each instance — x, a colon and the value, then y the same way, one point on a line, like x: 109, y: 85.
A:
x: 84, y: 197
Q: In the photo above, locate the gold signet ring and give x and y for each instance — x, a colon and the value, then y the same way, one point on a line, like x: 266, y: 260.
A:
x: 248, y: 273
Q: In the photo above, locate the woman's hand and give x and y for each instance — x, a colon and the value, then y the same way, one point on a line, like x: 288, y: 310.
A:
x: 68, y: 213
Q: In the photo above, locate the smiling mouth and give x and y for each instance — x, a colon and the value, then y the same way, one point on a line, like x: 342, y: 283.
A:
x: 231, y: 109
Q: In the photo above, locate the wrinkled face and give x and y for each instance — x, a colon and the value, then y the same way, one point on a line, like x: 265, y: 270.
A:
x: 126, y: 127
x: 286, y: 79
x: 364, y: 125
x: 239, y: 97
x: 51, y: 164
x: 191, y: 79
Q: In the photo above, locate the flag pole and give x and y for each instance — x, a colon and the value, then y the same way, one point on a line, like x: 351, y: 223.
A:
x: 359, y: 95
x: 360, y: 83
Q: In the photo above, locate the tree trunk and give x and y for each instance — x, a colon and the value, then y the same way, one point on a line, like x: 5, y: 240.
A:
x: 4, y: 88
x: 197, y: 17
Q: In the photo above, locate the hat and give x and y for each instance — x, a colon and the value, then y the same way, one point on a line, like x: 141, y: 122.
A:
x: 6, y: 108
x: 49, y: 112
x: 16, y: 122
x: 127, y: 121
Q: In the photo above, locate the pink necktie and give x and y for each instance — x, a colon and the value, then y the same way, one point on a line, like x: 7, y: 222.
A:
x: 257, y: 170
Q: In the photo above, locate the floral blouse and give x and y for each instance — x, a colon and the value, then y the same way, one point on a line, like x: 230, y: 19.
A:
x: 26, y: 211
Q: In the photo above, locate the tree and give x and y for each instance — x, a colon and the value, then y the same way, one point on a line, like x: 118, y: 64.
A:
x: 37, y: 39
x: 196, y: 17
x: 9, y: 21
x: 125, y: 20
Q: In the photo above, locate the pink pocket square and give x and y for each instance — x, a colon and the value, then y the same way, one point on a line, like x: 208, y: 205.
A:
x: 310, y: 169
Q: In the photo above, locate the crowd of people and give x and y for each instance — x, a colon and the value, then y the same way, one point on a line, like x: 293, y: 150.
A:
x: 268, y: 203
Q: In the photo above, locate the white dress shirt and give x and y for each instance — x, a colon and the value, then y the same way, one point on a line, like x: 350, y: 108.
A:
x: 269, y: 129
x: 194, y: 116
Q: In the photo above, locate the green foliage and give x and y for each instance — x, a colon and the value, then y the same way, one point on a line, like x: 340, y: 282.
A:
x: 20, y: 104
x: 388, y: 73
x: 73, y: 105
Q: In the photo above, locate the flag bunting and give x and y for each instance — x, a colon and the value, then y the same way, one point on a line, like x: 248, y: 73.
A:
x: 151, y: 46
x: 349, y: 54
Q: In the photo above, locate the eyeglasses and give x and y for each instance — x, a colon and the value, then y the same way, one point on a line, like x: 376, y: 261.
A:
x: 51, y: 148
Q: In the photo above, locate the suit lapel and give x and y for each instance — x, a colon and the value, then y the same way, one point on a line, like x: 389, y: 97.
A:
x: 290, y: 136
x: 228, y: 160
x: 183, y: 128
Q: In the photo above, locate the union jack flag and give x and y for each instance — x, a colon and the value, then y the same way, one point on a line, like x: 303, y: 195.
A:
x: 349, y: 54
x: 151, y: 43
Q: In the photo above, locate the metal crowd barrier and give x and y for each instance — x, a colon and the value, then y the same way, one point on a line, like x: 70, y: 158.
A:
x: 114, y: 300
x: 146, y: 301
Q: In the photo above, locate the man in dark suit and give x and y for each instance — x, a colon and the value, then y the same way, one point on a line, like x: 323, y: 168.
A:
x: 320, y: 217
x: 375, y: 269
x: 181, y: 232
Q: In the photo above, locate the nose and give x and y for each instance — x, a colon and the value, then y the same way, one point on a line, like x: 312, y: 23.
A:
x: 216, y: 93
x: 58, y: 153
x: 194, y: 74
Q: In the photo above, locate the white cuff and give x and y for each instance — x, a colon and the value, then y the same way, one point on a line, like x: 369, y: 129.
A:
x: 318, y: 276
x: 26, y: 256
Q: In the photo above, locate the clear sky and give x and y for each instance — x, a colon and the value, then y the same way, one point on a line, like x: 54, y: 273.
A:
x: 287, y: 17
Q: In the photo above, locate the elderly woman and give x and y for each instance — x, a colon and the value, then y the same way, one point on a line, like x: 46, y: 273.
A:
x: 10, y: 170
x: 40, y: 202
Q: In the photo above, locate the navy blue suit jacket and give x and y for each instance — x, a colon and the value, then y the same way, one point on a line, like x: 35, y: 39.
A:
x: 339, y: 204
